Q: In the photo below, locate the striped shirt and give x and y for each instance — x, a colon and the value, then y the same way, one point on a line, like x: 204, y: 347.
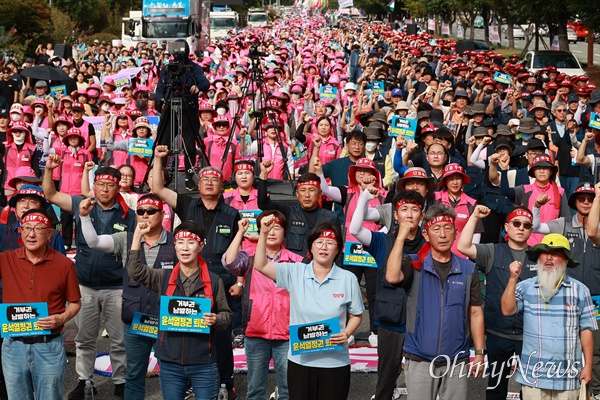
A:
x: 552, y: 353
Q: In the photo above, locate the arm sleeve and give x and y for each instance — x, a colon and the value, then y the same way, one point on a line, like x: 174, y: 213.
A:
x: 398, y: 166
x: 364, y: 235
x: 333, y: 192
x: 539, y: 227
x: 475, y: 158
x: 120, y: 145
x: 223, y: 311
x: 149, y: 277
x: 103, y: 243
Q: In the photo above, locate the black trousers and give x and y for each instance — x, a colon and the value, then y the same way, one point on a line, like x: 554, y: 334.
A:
x: 66, y: 219
x: 389, y: 364
x: 312, y: 383
x: 499, y: 351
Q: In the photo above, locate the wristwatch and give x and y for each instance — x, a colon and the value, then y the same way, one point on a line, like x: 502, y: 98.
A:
x: 240, y: 284
x: 481, y: 352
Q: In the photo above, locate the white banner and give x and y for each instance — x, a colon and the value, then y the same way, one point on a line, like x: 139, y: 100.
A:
x: 459, y: 32
x: 123, y: 77
x: 446, y: 28
x: 431, y: 24
x: 346, y: 3
x: 494, y: 35
x: 555, y: 45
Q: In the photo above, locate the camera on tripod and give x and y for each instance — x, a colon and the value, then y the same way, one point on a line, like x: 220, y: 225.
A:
x: 177, y: 66
x: 253, y: 53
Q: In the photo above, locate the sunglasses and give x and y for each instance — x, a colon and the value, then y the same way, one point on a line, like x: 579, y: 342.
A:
x: 221, y: 125
x: 149, y: 211
x: 526, y: 225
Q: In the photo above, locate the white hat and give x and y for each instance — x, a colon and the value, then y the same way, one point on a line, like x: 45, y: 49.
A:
x: 350, y: 86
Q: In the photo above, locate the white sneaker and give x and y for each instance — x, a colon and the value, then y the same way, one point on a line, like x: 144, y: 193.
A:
x: 397, y: 394
x: 373, y: 339
x: 104, y: 333
x: 351, y: 340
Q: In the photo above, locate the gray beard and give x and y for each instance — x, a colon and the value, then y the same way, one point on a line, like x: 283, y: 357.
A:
x: 547, y: 280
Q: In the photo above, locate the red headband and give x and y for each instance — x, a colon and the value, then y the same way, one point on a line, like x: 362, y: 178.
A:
x: 243, y: 167
x: 439, y: 219
x: 327, y: 234
x: 309, y: 183
x: 519, y: 212
x: 212, y: 172
x: 106, y: 177
x: 25, y: 192
x: 188, y: 235
x: 152, y: 202
x: 401, y: 202
x: 36, y: 218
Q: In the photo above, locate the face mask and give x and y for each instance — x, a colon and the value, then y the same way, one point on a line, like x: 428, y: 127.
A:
x: 446, y: 103
x: 15, y: 117
x: 527, y: 136
x: 489, y: 91
x: 141, y: 104
x: 295, y: 97
x: 370, y: 146
x: 221, y: 111
x: 18, y: 140
x: 105, y: 107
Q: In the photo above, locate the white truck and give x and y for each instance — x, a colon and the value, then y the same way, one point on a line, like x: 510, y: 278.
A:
x: 257, y: 18
x: 168, y: 20
x: 221, y: 22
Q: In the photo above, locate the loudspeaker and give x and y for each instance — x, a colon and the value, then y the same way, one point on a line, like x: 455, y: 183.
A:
x: 411, y: 29
x: 63, y: 50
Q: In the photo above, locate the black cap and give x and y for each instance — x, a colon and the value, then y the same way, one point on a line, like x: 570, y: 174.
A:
x: 4, y: 112
x: 536, y: 144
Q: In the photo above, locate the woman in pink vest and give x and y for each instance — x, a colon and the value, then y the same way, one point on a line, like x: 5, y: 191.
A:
x: 215, y: 146
x: 362, y: 175
x: 117, y: 130
x: 19, y: 152
x: 453, y: 181
x: 544, y: 172
x: 272, y: 149
x: 40, y: 110
x: 244, y: 198
x: 55, y: 143
x: 265, y: 307
x: 141, y: 129
x: 329, y: 149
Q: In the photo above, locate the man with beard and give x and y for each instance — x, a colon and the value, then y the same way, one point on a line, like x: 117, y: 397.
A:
x: 504, y: 336
x: 558, y: 320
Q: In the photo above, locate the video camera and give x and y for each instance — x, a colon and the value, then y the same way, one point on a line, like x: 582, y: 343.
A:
x: 177, y: 66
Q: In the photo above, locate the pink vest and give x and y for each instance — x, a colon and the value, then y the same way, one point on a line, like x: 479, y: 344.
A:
x: 72, y: 170
x: 120, y: 157
x: 548, y: 212
x: 15, y: 159
x: 270, y: 314
x: 463, y: 210
x: 330, y: 149
x: 215, y: 154
x: 273, y: 153
x: 350, y: 208
x: 59, y: 147
x: 140, y: 166
x: 85, y: 132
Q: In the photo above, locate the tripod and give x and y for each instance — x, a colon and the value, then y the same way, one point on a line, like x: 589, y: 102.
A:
x: 259, y: 102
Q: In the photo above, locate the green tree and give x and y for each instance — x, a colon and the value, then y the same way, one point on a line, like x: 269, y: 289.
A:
x: 27, y: 23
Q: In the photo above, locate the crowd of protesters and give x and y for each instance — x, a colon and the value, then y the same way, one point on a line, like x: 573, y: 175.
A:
x: 461, y: 188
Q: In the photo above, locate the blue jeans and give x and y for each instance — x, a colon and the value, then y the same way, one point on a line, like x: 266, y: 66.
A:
x: 34, y: 368
x: 175, y: 379
x: 137, y: 354
x: 258, y: 354
x: 569, y: 183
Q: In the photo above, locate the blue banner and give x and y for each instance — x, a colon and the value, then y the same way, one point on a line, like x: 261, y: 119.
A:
x: 314, y: 337
x: 141, y: 147
x: 56, y: 90
x: 22, y: 319
x: 144, y: 325
x: 355, y: 255
x: 594, y: 121
x: 250, y: 215
x: 328, y: 92
x: 378, y: 87
x: 596, y: 302
x: 503, y: 78
x: 184, y: 314
x: 403, y: 127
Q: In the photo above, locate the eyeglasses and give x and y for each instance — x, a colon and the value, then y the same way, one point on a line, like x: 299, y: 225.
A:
x: 105, y: 185
x: 324, y: 243
x: 561, y: 110
x: 526, y: 225
x: 221, y: 125
x: 37, y: 229
x: 206, y: 179
x: 149, y: 211
x: 127, y: 176
x: 585, y: 198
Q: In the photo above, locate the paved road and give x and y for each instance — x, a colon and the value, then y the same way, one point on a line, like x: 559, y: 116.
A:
x: 579, y: 50
x: 362, y: 384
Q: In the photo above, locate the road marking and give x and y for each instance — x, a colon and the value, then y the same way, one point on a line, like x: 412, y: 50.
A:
x: 576, y: 51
